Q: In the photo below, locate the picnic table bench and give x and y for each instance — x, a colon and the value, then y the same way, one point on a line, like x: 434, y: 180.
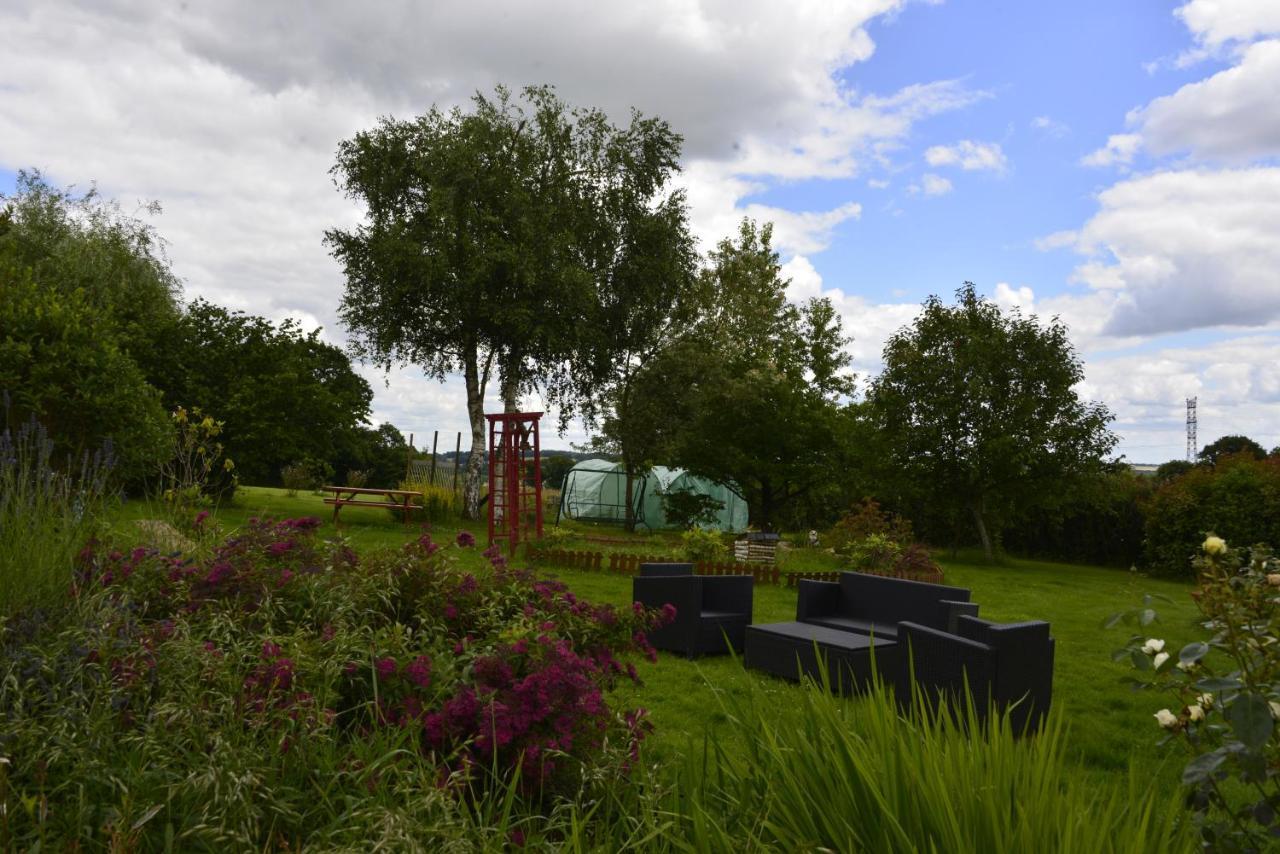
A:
x: 394, y: 499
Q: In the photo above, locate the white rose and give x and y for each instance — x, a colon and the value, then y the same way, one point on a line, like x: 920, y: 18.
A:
x: 1214, y: 545
x: 1166, y: 719
x: 1160, y: 659
x: 1196, y: 713
x: 1206, y: 700
x: 1152, y: 646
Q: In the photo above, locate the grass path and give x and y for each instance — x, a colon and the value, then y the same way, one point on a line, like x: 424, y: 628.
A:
x: 1111, y: 727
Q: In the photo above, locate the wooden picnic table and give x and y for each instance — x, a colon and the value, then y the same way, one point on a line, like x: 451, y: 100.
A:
x: 394, y: 499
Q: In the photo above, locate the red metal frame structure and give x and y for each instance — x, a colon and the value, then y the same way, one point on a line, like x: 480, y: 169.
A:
x: 515, y: 453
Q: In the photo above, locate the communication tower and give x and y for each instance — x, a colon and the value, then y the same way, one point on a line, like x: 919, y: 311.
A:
x: 1191, y: 430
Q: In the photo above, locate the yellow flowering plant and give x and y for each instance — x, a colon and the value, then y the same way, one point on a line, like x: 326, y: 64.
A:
x: 1226, y: 694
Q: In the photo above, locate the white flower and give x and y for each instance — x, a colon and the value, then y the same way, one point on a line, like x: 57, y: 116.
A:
x: 1214, y: 545
x: 1206, y: 700
x: 1275, y: 708
x: 1187, y: 666
x: 1160, y: 659
x: 1152, y: 646
x: 1195, y: 713
x: 1166, y: 719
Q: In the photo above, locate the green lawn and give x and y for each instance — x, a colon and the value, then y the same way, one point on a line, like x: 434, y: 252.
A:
x: 1110, y: 726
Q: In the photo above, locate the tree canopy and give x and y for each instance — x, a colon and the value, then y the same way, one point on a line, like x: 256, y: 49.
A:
x: 1226, y: 445
x: 493, y: 237
x: 980, y: 411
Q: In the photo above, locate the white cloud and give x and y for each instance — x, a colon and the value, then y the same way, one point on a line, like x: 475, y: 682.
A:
x: 931, y: 185
x: 1120, y: 149
x: 1008, y: 297
x: 229, y: 114
x: 1230, y: 116
x: 1050, y: 127
x: 1218, y: 22
x: 968, y: 155
x: 1186, y: 250
x: 1057, y: 240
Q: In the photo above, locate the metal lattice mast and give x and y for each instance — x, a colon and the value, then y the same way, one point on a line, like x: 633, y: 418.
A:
x: 1191, y: 430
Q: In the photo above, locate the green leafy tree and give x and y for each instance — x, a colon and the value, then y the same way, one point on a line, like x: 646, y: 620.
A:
x: 61, y: 363
x: 489, y: 235
x: 1174, y: 468
x: 84, y: 244
x: 554, y: 468
x: 980, y: 410
x: 1227, y: 445
x: 282, y: 394
x: 766, y: 411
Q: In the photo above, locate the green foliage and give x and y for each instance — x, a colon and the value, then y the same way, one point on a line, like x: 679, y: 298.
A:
x: 1099, y: 521
x: 981, y: 413
x: 763, y: 411
x: 84, y: 247
x: 61, y: 362
x: 357, y: 478
x: 283, y: 395
x: 1236, y: 498
x: 296, y: 477
x: 285, y: 693
x: 47, y: 514
x: 197, y: 474
x: 822, y: 774
x: 1229, y: 445
x: 1226, y: 695
x: 554, y: 468
x: 689, y: 509
x: 1173, y: 468
x: 699, y: 545
x: 437, y: 502
x: 866, y: 519
x: 498, y: 238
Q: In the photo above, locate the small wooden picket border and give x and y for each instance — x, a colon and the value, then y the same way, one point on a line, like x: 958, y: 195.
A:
x: 629, y: 564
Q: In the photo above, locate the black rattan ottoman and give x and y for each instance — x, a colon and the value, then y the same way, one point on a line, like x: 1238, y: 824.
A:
x: 792, y: 650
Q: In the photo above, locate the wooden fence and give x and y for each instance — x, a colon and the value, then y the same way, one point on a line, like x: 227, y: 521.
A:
x: 627, y: 564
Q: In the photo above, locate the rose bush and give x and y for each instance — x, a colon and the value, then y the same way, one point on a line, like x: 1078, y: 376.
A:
x: 1226, y: 694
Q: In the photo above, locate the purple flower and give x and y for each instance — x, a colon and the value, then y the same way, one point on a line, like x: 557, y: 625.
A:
x: 386, y: 668
x: 418, y: 671
x: 199, y: 520
x: 465, y: 539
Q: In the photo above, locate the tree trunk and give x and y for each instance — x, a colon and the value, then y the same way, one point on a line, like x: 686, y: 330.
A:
x: 475, y: 413
x: 511, y: 384
x: 975, y: 507
x: 630, y: 512
x: 766, y: 504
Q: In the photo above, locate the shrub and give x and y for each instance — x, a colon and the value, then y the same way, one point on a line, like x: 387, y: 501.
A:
x: 699, y: 545
x: 282, y: 687
x: 295, y: 477
x: 689, y: 509
x: 357, y: 478
x: 1225, y: 695
x: 437, y: 502
x: 196, y: 473
x: 1236, y: 498
x: 865, y: 519
x: 46, y: 515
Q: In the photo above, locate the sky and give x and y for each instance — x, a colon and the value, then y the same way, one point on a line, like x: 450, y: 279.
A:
x: 1116, y: 165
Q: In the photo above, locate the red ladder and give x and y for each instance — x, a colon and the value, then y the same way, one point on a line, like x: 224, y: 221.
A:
x: 515, y: 478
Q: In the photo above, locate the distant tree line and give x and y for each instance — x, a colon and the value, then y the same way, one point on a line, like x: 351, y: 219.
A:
x: 96, y: 343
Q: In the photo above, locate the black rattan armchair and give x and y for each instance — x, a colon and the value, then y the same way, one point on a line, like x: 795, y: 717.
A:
x: 1007, y: 666
x: 873, y: 604
x: 712, y: 612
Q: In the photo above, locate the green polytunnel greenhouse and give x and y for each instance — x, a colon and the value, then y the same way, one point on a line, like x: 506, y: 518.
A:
x: 595, y: 490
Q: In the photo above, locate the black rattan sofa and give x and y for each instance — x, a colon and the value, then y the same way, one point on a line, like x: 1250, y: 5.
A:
x: 872, y: 604
x: 712, y: 612
x: 1009, y: 664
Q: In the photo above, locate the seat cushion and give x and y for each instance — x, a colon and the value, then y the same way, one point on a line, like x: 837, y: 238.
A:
x: 853, y: 624
x: 722, y: 615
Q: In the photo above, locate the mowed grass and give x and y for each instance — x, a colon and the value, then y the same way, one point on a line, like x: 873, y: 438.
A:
x: 1110, y: 726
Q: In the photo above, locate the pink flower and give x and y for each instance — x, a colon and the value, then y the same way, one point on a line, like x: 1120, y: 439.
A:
x: 465, y: 539
x: 386, y: 667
